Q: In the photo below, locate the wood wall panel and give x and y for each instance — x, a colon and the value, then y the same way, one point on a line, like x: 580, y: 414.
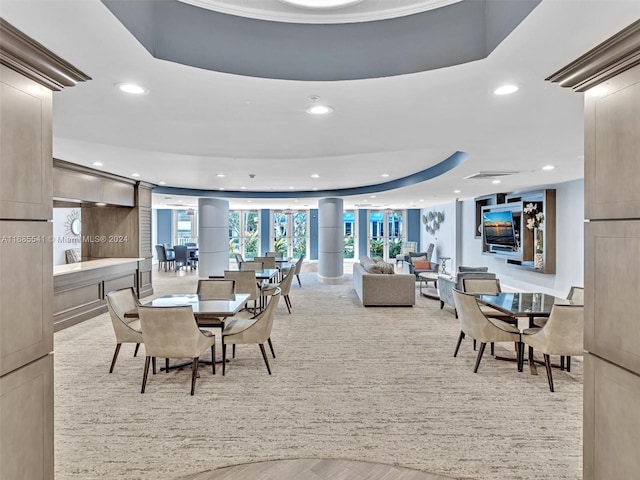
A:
x: 88, y: 187
x: 26, y: 422
x: 25, y: 148
x: 612, y: 148
x: 26, y: 283
x: 113, y: 232
x: 126, y: 281
x: 612, y: 421
x: 81, y: 296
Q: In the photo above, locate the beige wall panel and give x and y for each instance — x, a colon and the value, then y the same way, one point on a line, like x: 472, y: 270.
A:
x: 612, y: 278
x: 26, y: 286
x: 145, y: 234
x: 26, y: 422
x: 70, y: 184
x: 118, y: 283
x: 25, y: 148
x: 118, y: 193
x: 73, y: 298
x: 612, y: 402
x: 144, y: 196
x: 612, y: 148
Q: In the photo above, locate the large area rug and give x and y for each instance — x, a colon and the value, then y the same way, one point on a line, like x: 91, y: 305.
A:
x: 370, y: 384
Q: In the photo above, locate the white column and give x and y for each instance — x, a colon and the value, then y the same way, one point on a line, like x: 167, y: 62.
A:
x: 330, y: 240
x: 213, y: 236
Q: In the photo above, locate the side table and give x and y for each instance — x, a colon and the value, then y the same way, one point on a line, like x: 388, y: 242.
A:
x: 425, y: 289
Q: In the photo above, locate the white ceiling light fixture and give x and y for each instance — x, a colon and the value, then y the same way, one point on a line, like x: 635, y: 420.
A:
x: 456, y: 191
x: 321, y: 4
x: 506, y: 90
x: 548, y: 167
x: 496, y: 181
x: 220, y: 175
x: 97, y: 164
x: 162, y: 182
x: 315, y: 175
x: 318, y: 109
x: 135, y: 175
x: 384, y: 175
x: 132, y: 88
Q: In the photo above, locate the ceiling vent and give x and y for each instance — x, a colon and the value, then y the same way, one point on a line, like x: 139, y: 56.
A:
x: 483, y: 175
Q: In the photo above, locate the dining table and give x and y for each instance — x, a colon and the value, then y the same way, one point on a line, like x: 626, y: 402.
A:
x: 529, y: 305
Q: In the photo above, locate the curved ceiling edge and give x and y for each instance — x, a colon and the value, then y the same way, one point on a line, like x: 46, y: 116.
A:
x: 430, y: 173
x: 451, y: 35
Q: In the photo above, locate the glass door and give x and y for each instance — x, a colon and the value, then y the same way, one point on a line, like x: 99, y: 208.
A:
x: 386, y: 234
x: 244, y: 233
x: 290, y: 233
x: 349, y: 219
x: 185, y: 226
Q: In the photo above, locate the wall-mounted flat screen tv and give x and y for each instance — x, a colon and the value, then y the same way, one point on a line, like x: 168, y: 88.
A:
x: 498, y: 229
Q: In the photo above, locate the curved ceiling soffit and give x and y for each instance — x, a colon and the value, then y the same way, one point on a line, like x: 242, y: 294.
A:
x: 451, y: 35
x: 430, y: 173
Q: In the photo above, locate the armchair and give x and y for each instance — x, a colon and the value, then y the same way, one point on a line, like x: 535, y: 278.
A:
x: 447, y: 283
x: 414, y: 260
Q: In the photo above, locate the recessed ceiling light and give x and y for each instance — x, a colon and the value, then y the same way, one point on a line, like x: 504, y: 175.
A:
x: 319, y: 109
x: 315, y: 175
x: 162, y: 183
x: 505, y: 89
x: 249, y: 201
x: 243, y: 188
x: 221, y: 188
x: 385, y: 175
x: 495, y: 181
x: 97, y: 164
x: 314, y: 188
x: 422, y: 199
x: 132, y: 88
x: 100, y: 204
x: 291, y: 188
x: 295, y: 201
x: 548, y: 167
x: 135, y: 174
x: 321, y: 4
x: 456, y: 191
x: 220, y: 175
x: 373, y: 196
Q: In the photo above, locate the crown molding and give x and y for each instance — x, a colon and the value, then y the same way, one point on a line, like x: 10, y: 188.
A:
x: 31, y: 59
x: 612, y: 57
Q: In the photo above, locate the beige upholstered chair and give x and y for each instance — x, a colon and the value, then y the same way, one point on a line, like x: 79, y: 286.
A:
x: 476, y: 325
x: 298, y: 269
x: 576, y: 295
x: 255, y: 266
x: 274, y: 254
x: 486, y: 286
x: 127, y: 330
x: 267, y: 262
x: 284, y: 286
x: 245, y: 282
x: 172, y: 332
x: 216, y: 287
x: 246, y: 331
x: 562, y: 335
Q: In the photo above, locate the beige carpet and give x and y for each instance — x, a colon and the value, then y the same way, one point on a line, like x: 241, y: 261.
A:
x: 374, y: 384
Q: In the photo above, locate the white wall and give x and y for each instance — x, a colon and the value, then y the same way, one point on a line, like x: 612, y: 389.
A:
x: 569, y: 246
x: 63, y: 238
x: 446, y: 239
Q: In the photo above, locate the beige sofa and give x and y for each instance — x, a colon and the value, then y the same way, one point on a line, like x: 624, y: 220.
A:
x: 380, y: 289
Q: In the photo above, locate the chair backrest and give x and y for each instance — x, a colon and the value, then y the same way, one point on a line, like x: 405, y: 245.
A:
x: 180, y: 252
x: 251, y: 266
x: 267, y: 262
x: 120, y: 302
x: 472, y: 320
x: 487, y: 286
x: 245, y: 282
x: 462, y: 276
x: 162, y: 255
x: 190, y: 244
x: 576, y: 295
x: 239, y: 259
x: 563, y: 334
x: 299, y: 265
x: 72, y: 255
x: 168, y: 251
x: 285, y: 284
x: 216, y: 288
x: 170, y: 332
x: 430, y: 249
x: 260, y: 330
x: 274, y: 254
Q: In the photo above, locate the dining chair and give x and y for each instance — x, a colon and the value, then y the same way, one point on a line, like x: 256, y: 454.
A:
x: 297, y: 268
x: 193, y: 253
x: 284, y: 286
x: 563, y: 335
x: 168, y: 248
x: 239, y: 259
x: 172, y: 332
x: 216, y: 288
x: 181, y: 257
x: 481, y: 328
x: 245, y: 282
x: 255, y: 266
x: 267, y: 262
x: 274, y: 254
x: 249, y: 331
x: 163, y: 259
x: 127, y: 330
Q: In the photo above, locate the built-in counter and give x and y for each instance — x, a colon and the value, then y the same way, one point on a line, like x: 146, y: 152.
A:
x: 79, y: 289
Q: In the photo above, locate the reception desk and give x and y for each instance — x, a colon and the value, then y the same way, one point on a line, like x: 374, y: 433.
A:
x: 79, y: 289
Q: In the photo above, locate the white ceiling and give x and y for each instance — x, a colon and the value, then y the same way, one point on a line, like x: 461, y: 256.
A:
x: 195, y: 123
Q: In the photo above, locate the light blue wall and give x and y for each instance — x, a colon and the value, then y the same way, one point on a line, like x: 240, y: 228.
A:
x: 164, y: 226
x: 362, y: 233
x: 412, y: 224
x: 313, y: 234
x: 265, y: 230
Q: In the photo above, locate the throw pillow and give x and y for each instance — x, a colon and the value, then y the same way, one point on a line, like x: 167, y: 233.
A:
x: 418, y: 259
x: 387, y: 268
x: 374, y: 268
x: 378, y: 259
x: 421, y: 265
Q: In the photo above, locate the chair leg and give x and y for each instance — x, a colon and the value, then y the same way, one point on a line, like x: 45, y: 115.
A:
x: 455, y: 354
x: 561, y: 362
x: 224, y: 356
x: 287, y: 300
x: 271, y: 347
x: 153, y: 363
x: 493, y: 349
x: 146, y: 373
x: 194, y: 374
x: 166, y: 365
x: 233, y: 351
x: 547, y: 363
x: 480, y: 352
x: 264, y: 355
x: 520, y: 350
x: 568, y: 363
x: 115, y: 356
x: 135, y: 352
x: 213, y: 358
x: 299, y: 284
x: 474, y: 345
x: 441, y: 304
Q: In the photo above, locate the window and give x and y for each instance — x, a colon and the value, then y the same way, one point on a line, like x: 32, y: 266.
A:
x: 244, y: 233
x: 290, y: 233
x: 185, y: 226
x: 386, y: 233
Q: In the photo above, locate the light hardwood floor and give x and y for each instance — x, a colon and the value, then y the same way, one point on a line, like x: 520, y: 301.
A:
x: 313, y: 469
